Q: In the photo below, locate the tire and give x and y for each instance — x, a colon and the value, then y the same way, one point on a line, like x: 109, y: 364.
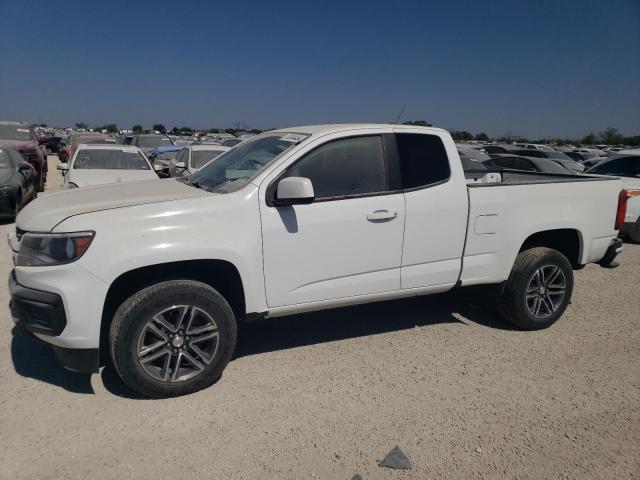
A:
x: 133, y: 332
x: 532, y: 304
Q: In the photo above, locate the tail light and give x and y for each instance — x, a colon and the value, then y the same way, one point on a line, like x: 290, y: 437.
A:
x: 621, y: 213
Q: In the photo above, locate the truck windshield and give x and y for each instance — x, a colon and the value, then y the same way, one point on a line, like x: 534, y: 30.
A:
x: 233, y: 169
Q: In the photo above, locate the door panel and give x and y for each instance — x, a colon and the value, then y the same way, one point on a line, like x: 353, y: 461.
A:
x: 436, y: 209
x: 329, y: 250
x: 436, y: 224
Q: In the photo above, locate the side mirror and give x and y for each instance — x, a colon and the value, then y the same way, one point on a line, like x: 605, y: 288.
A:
x: 24, y: 167
x: 181, y: 165
x: 63, y: 166
x: 294, y: 191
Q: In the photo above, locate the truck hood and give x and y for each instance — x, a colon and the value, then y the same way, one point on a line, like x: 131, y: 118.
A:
x: 43, y: 214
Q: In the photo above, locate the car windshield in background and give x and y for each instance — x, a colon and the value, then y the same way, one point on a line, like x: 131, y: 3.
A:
x: 233, y: 169
x: 557, y: 155
x: 152, y: 142
x: 99, y: 141
x: 199, y: 158
x: 553, y: 167
x: 167, y: 155
x: 109, y: 160
x: 15, y: 132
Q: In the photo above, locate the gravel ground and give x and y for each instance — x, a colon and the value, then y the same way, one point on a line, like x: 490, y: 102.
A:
x: 324, y: 395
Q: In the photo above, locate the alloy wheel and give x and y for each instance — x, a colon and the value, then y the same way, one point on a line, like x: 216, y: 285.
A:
x: 545, y: 291
x: 178, y: 343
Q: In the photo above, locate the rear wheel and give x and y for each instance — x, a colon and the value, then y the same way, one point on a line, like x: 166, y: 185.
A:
x: 172, y: 338
x: 538, y: 289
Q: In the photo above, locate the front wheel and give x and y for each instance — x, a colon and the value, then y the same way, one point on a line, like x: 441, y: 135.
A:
x: 538, y: 290
x: 172, y: 338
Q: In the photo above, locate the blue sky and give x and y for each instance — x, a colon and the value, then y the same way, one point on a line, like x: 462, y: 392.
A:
x: 534, y: 68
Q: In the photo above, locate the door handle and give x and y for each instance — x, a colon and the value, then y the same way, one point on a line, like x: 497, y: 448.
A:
x: 381, y: 215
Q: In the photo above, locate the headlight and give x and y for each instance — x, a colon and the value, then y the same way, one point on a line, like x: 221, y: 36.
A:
x: 43, y: 249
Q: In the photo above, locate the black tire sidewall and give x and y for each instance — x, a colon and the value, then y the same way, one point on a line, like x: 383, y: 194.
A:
x: 134, y: 313
x: 516, y: 286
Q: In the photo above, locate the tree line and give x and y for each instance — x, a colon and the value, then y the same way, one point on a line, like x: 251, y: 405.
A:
x: 611, y: 136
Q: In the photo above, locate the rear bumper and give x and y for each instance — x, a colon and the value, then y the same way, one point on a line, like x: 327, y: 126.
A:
x: 612, y: 252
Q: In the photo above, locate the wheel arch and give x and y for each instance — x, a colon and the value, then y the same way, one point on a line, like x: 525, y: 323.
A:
x: 567, y: 241
x: 219, y: 274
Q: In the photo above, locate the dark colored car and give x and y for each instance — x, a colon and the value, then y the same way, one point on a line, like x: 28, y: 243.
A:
x: 490, y: 149
x: 592, y: 162
x: 148, y: 141
x: 472, y: 154
x: 18, y: 183
x: 21, y: 138
x: 558, y: 157
x: 53, y: 144
x: 619, y: 166
x: 529, y: 164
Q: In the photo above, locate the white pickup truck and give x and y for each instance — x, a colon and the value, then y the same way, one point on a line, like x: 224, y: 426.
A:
x: 157, y: 274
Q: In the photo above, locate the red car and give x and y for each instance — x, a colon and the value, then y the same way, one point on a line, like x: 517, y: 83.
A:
x: 21, y: 138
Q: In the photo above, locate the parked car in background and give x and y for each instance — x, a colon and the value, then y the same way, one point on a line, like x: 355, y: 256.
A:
x: 158, y: 274
x: 190, y: 159
x: 529, y: 164
x: 18, y: 183
x: 470, y: 153
x: 160, y: 158
x: 626, y: 167
x: 231, y: 142
x: 103, y: 164
x: 500, y: 148
x: 69, y: 148
x: 53, y: 143
x: 471, y: 165
x: 554, y: 155
x: 165, y: 152
x: 148, y: 141
x: 538, y: 146
x: 22, y: 138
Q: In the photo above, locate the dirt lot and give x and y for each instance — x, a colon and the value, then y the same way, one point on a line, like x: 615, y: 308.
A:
x: 324, y: 395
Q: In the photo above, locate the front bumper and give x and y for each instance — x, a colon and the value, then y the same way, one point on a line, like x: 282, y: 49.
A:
x: 42, y: 312
x: 36, y: 311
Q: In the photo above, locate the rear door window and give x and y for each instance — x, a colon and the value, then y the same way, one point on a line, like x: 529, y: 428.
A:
x: 423, y: 160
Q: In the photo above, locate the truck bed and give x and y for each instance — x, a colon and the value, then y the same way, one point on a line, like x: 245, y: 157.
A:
x: 500, y: 219
x: 501, y: 177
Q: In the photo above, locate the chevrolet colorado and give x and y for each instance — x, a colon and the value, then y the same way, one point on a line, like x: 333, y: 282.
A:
x: 155, y: 275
